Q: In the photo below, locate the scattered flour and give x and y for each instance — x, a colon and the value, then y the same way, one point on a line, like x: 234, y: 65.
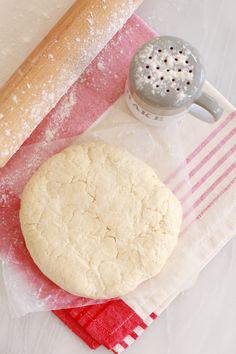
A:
x: 27, y: 39
x: 14, y: 98
x: 50, y: 56
x: 3, y: 198
x: 62, y: 112
x: 100, y: 66
x: 90, y: 18
x: 49, y: 135
x: 7, y: 132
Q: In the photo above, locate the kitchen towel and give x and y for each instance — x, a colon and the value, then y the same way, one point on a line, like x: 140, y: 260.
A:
x: 208, y: 218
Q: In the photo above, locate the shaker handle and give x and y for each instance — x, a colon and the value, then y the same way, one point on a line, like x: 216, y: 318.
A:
x: 209, y: 104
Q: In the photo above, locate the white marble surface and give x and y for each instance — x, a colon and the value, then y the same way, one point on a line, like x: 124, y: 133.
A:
x: 202, y: 319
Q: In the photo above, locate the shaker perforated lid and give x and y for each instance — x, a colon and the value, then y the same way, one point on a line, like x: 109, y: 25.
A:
x: 167, y: 72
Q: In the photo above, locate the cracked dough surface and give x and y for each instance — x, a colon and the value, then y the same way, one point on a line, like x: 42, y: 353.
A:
x: 97, y: 221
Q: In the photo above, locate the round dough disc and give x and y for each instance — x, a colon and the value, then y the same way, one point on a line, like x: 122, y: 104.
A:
x: 97, y: 221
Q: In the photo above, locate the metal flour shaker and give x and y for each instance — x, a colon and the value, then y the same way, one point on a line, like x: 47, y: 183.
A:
x: 165, y: 81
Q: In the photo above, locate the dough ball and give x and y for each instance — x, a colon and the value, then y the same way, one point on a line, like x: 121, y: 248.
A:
x: 97, y: 221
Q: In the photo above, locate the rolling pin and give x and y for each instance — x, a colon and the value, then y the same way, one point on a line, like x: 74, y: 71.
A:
x: 57, y: 62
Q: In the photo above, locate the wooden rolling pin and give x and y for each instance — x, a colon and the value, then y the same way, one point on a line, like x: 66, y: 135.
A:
x: 55, y: 65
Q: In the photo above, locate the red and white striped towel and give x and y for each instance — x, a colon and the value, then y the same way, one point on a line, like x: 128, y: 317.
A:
x: 212, y: 173
x: 208, y: 198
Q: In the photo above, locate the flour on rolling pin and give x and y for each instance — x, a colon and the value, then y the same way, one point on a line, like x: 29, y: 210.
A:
x: 62, y: 112
x: 55, y: 65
